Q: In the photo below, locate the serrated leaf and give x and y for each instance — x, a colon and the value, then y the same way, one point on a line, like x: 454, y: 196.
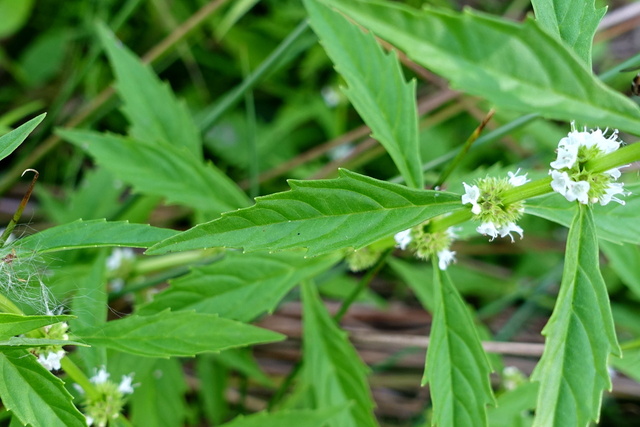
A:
x: 35, y: 395
x: 12, y: 140
x: 151, y: 107
x: 246, y: 285
x: 614, y: 222
x: 170, y: 334
x: 516, y: 66
x: 457, y: 368
x: 573, y: 21
x: 92, y: 234
x: 580, y: 336
x: 167, y: 171
x: 299, y: 418
x: 332, y: 368
x: 16, y: 324
x: 325, y: 215
x: 376, y: 88
x: 22, y: 342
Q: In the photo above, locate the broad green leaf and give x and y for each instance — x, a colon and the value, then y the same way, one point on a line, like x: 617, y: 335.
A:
x: 517, y: 66
x: 13, y: 139
x: 16, y: 324
x: 332, y: 368
x: 92, y: 234
x: 624, y: 260
x: 167, y: 171
x: 14, y: 15
x: 376, y: 88
x: 580, y: 336
x: 573, y: 21
x: 457, y: 368
x: 325, y: 215
x: 22, y: 342
x: 35, y: 395
x: 241, y: 286
x: 156, y: 116
x: 513, y: 407
x: 614, y: 222
x: 179, y: 333
x: 298, y: 418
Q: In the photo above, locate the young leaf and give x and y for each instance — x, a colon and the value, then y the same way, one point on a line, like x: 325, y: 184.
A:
x: 33, y: 394
x: 182, y: 333
x: 167, y: 171
x: 13, y: 139
x: 516, y: 66
x: 325, y: 215
x: 457, y: 368
x: 156, y: 116
x: 298, y: 418
x: 16, y: 324
x: 580, y: 336
x: 332, y: 367
x: 247, y: 285
x: 377, y: 88
x: 574, y: 22
x: 93, y: 234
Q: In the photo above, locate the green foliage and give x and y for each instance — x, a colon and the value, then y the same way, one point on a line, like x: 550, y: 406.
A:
x: 301, y: 418
x: 13, y: 139
x: 16, y: 324
x: 573, y: 370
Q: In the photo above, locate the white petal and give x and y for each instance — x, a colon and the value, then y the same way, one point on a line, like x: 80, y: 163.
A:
x: 578, y: 191
x: 516, y: 180
x: 488, y: 229
x: 100, y: 377
x: 403, y: 238
x: 52, y: 360
x: 560, y: 181
x: 472, y: 193
x: 445, y: 257
x: 610, y: 193
x: 509, y: 228
x: 567, y: 156
x: 614, y: 173
x: 125, y: 386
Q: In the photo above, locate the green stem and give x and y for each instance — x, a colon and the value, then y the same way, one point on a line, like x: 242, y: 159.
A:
x: 444, y: 222
x: 527, y: 191
x: 18, y: 213
x: 621, y: 157
x: 76, y: 374
x: 179, y: 259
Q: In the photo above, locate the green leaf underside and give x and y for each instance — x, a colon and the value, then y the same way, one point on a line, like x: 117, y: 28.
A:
x: 457, y: 368
x: 574, y: 22
x: 240, y: 293
x: 384, y: 100
x: 579, y: 336
x: 169, y: 334
x: 16, y: 324
x: 12, y: 140
x: 324, y: 215
x: 93, y: 234
x: 516, y: 66
x: 614, y: 222
x: 162, y: 170
x: 332, y: 367
x: 151, y: 107
x: 298, y: 418
x: 33, y: 394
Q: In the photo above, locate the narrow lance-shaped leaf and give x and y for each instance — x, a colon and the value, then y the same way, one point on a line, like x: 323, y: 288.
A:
x: 580, y: 336
x: 13, y: 139
x: 151, y: 107
x: 182, y: 333
x: 457, y: 368
x: 246, y: 285
x: 377, y: 88
x: 162, y: 170
x: 516, y: 66
x: 33, y: 394
x: 573, y: 21
x: 332, y: 368
x: 325, y: 215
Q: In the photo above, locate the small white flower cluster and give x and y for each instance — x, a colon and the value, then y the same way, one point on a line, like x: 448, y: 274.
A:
x: 102, y: 376
x: 490, y: 226
x: 445, y: 256
x: 570, y: 180
x: 51, y: 356
x: 110, y: 400
x: 51, y: 360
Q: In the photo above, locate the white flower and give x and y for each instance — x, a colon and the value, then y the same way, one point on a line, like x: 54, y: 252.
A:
x: 445, y: 257
x: 610, y: 192
x: 101, y: 377
x: 125, y: 386
x: 567, y: 151
x: 89, y: 420
x: 490, y: 229
x: 118, y: 256
x: 578, y: 191
x: 509, y: 228
x: 472, y: 193
x: 52, y: 359
x: 403, y: 238
x: 516, y: 180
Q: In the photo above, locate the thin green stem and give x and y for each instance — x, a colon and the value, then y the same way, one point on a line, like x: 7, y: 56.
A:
x: 76, y: 374
x: 444, y: 222
x: 18, y: 213
x: 621, y: 157
x: 527, y: 191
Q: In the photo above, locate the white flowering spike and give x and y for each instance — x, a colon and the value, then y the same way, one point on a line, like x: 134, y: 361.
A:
x: 472, y: 193
x: 125, y: 386
x: 403, y: 239
x: 445, y: 257
x: 51, y: 360
x: 573, y: 181
x: 516, y: 180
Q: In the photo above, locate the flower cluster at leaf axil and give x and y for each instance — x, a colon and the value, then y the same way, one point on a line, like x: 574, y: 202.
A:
x: 50, y: 356
x: 570, y: 176
x: 425, y: 244
x: 107, y: 402
x: 486, y: 198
